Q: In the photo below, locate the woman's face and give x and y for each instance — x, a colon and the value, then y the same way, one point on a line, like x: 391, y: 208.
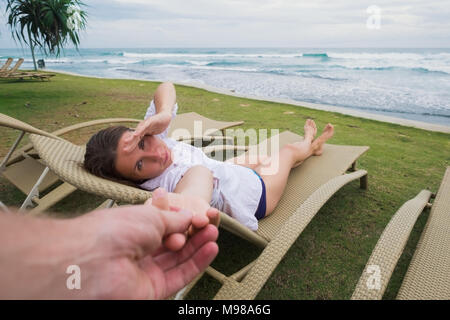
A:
x: 148, y: 160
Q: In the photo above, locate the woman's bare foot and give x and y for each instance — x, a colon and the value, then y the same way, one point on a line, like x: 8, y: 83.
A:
x: 310, y: 130
x: 317, y: 144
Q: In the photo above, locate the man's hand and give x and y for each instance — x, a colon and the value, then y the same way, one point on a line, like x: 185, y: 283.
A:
x: 118, y: 251
x: 140, y: 266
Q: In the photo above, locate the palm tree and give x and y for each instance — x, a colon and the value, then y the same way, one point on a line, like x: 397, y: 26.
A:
x: 47, y: 24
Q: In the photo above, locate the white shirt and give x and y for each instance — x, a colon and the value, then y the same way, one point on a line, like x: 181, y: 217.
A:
x: 236, y: 190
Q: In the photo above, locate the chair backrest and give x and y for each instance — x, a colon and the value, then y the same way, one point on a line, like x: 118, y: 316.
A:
x: 6, y: 65
x: 16, y: 66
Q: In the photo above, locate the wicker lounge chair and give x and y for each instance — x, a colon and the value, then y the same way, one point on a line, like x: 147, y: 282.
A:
x: 13, y: 70
x: 31, y: 75
x: 24, y: 169
x: 16, y: 66
x: 309, y: 187
x: 5, y: 67
x: 428, y: 275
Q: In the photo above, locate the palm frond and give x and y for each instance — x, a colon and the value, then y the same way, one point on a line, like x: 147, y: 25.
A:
x: 45, y: 23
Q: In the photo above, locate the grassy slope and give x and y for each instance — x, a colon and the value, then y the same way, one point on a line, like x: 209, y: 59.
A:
x: 328, y: 258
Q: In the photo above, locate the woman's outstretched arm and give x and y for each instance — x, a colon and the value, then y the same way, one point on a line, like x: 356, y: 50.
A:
x: 196, y: 182
x: 194, y: 192
x: 165, y: 98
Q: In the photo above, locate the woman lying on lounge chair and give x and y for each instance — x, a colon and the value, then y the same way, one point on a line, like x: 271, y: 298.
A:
x: 239, y: 187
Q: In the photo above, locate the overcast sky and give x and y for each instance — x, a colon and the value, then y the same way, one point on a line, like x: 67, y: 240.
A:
x: 260, y: 23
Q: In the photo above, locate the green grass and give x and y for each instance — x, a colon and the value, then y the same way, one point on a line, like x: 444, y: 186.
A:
x: 329, y: 256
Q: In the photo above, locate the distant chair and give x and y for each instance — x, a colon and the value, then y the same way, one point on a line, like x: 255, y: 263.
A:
x: 13, y: 69
x: 6, y: 65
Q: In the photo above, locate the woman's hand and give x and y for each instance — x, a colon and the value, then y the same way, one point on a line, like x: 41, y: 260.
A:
x: 151, y: 126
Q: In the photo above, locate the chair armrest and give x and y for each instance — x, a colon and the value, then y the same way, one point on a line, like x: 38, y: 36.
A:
x: 218, y: 148
x: 235, y: 227
x: 381, y: 264
x: 206, y: 140
x: 92, y: 123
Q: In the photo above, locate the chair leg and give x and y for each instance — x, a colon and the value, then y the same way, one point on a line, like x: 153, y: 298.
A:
x: 4, y: 208
x: 109, y: 203
x: 363, y: 182
x: 352, y: 168
x: 181, y: 295
x: 10, y: 152
x: 34, y: 191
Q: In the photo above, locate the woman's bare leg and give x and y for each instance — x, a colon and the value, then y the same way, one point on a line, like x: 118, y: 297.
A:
x: 317, y: 144
x: 248, y: 161
x: 254, y: 161
x: 289, y: 157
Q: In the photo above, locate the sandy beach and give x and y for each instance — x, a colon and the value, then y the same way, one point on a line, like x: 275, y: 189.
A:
x: 323, y: 107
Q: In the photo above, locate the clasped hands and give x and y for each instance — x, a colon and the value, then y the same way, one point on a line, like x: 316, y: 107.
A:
x: 203, y: 214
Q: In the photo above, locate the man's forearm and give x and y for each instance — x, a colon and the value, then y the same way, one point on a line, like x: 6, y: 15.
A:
x: 165, y: 98
x: 34, y: 257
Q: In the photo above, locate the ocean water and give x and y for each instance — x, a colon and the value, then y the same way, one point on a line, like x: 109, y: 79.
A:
x: 406, y: 83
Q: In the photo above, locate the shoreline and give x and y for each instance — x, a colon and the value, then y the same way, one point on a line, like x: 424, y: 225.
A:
x: 323, y: 107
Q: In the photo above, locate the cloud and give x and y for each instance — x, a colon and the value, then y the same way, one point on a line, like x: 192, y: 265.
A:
x: 263, y: 23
